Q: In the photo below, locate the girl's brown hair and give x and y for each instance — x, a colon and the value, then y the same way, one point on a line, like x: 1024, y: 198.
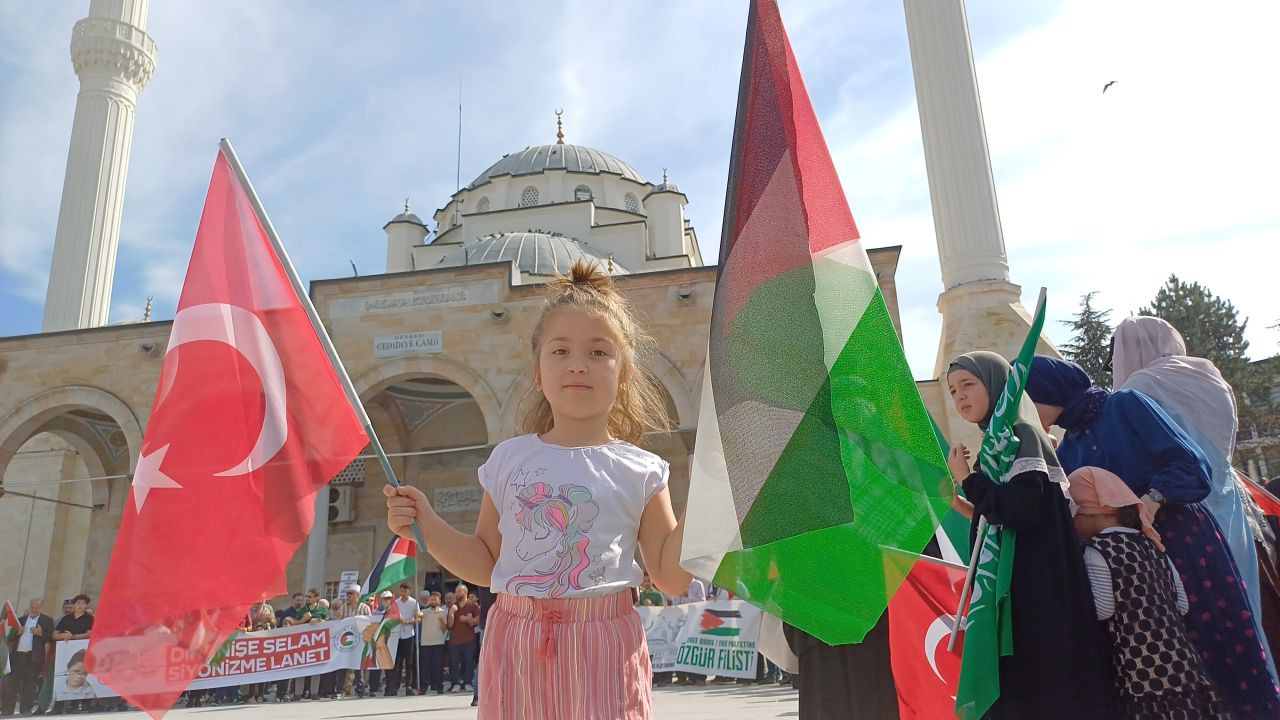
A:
x: 639, y: 407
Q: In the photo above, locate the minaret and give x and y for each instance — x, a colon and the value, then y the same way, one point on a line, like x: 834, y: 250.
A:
x: 981, y: 309
x: 114, y: 58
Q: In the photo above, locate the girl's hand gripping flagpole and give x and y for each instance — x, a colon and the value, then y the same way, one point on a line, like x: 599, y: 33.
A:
x: 321, y: 332
x: 998, y: 450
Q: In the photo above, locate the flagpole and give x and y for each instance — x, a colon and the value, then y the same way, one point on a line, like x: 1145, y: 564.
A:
x: 980, y: 538
x: 325, y: 341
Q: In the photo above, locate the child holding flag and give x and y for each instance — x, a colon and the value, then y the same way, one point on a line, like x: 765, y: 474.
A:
x: 564, y: 509
x: 1058, y: 667
x: 1138, y: 594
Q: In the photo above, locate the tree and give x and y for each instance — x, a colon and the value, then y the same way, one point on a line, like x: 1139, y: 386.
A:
x: 1212, y: 328
x: 1090, y: 345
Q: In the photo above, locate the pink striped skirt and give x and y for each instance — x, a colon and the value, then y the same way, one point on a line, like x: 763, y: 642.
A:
x: 565, y: 659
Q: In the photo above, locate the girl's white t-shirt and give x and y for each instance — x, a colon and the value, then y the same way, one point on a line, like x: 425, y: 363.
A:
x: 569, y: 516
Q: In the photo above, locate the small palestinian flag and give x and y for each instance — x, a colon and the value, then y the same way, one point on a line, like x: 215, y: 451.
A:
x: 379, y: 643
x: 815, y: 451
x: 724, y: 623
x: 10, y: 625
x: 10, y: 629
x: 399, y: 563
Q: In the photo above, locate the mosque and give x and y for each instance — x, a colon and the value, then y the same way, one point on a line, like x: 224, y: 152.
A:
x: 437, y: 345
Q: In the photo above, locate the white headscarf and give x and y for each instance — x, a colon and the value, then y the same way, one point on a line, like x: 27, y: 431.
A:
x: 1150, y: 356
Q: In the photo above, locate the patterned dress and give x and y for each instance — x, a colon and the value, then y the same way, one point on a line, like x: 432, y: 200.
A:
x: 1158, y: 673
x: 1133, y: 438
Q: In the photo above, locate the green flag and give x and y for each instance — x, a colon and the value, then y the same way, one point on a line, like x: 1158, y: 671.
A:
x: 988, y: 628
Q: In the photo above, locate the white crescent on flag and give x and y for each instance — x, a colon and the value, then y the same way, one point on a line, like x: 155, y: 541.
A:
x: 244, y: 331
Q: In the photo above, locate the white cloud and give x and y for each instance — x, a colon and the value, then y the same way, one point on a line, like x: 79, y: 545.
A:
x: 1171, y: 171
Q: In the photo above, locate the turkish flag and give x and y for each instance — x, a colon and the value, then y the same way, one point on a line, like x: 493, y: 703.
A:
x: 249, y: 422
x: 920, y: 617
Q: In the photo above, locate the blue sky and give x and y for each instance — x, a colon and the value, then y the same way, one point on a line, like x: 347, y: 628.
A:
x: 339, y: 111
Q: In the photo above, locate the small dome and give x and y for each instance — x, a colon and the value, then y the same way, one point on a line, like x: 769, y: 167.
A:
x: 573, y: 158
x: 407, y: 217
x: 534, y: 253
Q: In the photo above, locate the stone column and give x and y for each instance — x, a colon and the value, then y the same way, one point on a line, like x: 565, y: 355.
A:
x: 981, y: 309
x: 114, y: 58
x: 318, y: 543
x: 965, y: 215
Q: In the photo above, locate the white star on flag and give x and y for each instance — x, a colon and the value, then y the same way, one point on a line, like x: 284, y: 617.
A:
x: 148, y: 476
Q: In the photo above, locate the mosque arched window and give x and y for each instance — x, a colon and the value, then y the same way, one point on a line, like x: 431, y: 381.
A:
x: 631, y: 203
x: 582, y: 192
x: 529, y: 197
x: 483, y: 205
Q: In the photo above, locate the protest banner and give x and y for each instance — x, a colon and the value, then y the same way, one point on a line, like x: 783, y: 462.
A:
x: 662, y: 627
x: 708, y: 638
x: 253, y: 657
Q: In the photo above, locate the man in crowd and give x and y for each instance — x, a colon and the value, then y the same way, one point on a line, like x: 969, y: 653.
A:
x: 344, y: 683
x: 78, y: 623
x: 75, y: 626
x: 26, y: 660
x: 406, y: 666
x: 464, y: 617
x: 317, y: 611
x: 290, y: 615
x: 431, y: 650
x: 450, y: 599
x: 649, y: 595
x: 285, y: 618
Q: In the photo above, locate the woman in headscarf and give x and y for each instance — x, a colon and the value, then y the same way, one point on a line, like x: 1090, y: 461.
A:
x: 1060, y: 667
x: 1126, y: 433
x: 1150, y: 356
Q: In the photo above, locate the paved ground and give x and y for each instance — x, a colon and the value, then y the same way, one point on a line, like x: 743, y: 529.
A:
x: 711, y: 702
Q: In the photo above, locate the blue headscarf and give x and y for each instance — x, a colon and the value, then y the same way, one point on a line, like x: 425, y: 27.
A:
x: 1067, y: 385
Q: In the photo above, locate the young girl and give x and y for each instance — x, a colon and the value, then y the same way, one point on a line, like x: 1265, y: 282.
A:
x: 1138, y: 594
x: 1059, y: 666
x: 564, y: 509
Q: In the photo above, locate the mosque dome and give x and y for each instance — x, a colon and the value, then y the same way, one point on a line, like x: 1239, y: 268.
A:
x: 533, y: 253
x: 558, y: 156
x: 407, y: 217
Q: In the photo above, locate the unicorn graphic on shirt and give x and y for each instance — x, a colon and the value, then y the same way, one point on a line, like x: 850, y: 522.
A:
x: 554, y: 523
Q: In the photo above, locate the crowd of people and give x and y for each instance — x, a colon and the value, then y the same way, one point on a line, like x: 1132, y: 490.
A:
x: 1136, y: 587
x: 28, y: 685
x: 437, y: 645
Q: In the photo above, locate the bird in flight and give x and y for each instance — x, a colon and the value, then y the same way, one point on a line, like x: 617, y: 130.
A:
x: 1104, y: 87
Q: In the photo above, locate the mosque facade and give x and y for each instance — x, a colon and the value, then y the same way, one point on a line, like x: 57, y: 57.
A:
x: 437, y: 346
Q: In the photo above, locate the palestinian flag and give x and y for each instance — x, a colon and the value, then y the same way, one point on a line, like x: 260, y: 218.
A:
x: 814, y: 449
x: 10, y: 625
x: 723, y: 623
x: 10, y: 630
x: 380, y: 642
x: 399, y: 563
